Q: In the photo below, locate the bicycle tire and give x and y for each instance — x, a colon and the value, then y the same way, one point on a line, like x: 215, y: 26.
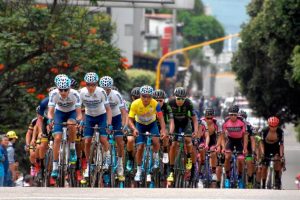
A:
x: 61, y: 165
x: 48, y: 167
x: 95, y: 161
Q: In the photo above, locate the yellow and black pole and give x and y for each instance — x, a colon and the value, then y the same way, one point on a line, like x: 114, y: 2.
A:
x: 157, y: 85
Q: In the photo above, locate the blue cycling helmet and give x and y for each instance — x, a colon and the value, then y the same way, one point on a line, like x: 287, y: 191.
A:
x: 146, y: 89
x: 91, y: 77
x: 106, y: 82
x: 62, y: 81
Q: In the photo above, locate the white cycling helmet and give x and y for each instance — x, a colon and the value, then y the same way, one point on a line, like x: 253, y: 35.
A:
x: 91, y: 77
x: 146, y: 89
x: 106, y: 82
x: 62, y: 81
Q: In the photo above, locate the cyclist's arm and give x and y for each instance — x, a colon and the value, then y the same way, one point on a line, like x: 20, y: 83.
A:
x: 161, y: 120
x: 195, y: 123
x: 245, y: 138
x: 124, y: 115
x: 28, y: 136
x: 207, y: 138
x: 131, y: 123
x: 78, y: 114
x: 172, y: 125
x: 51, y: 112
x: 108, y: 113
x: 39, y: 121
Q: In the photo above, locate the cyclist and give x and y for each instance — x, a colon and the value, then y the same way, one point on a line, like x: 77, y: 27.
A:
x: 182, y: 109
x: 135, y: 94
x: 160, y: 96
x: 97, y: 111
x: 211, y: 139
x: 234, y: 133
x: 251, y: 155
x: 119, y: 120
x: 143, y: 113
x: 41, y: 129
x: 64, y: 105
x: 30, y: 140
x: 272, y: 143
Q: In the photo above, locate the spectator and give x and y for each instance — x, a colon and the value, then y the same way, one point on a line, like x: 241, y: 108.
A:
x: 3, y: 147
x: 2, y: 159
x: 12, y: 136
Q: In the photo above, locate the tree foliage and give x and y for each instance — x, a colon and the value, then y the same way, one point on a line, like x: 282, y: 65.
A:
x: 263, y: 61
x: 38, y: 42
x: 199, y: 27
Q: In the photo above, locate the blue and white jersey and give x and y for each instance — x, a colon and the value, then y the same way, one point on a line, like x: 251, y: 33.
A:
x: 94, y: 103
x: 116, y: 102
x: 44, y: 107
x: 70, y: 103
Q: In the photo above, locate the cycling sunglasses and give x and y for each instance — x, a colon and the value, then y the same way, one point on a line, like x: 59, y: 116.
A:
x: 63, y: 90
x: 146, y: 96
x: 180, y: 98
x: 91, y: 84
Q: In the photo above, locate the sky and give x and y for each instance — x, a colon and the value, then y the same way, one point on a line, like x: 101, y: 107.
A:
x: 231, y: 13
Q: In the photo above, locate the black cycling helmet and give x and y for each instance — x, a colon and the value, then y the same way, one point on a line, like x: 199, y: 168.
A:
x: 159, y: 94
x: 243, y: 114
x: 180, y: 92
x: 135, y: 92
x: 234, y: 109
x: 74, y: 83
x: 209, y: 112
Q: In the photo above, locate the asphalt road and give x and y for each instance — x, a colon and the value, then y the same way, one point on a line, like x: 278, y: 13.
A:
x: 141, y: 194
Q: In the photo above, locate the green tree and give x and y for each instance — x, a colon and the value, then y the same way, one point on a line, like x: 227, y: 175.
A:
x: 38, y: 42
x: 262, y: 62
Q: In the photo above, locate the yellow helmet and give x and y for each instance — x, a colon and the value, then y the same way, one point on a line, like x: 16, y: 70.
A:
x: 11, y: 135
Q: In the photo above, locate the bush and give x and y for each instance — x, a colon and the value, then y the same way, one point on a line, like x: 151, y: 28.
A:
x: 140, y: 77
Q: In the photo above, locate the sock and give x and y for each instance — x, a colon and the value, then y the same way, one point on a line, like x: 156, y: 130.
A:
x: 139, y: 169
x: 55, y: 165
x: 213, y: 169
x: 107, y: 153
x: 72, y: 145
x: 250, y: 179
x: 155, y: 156
x: 120, y: 160
x: 165, y: 149
x: 42, y: 163
x: 172, y: 168
x: 227, y: 175
x: 130, y: 155
x: 188, y: 155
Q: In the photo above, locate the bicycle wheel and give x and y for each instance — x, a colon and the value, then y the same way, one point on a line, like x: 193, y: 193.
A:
x: 61, y: 165
x: 147, y: 166
x: 48, y: 167
x: 95, y: 162
x: 71, y: 176
x: 113, y: 167
x: 270, y: 181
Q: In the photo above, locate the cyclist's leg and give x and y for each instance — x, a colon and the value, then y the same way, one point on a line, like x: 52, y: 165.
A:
x: 278, y: 170
x: 240, y: 158
x: 189, y: 146
x: 101, y: 120
x: 156, y: 143
x: 88, y: 134
x: 140, y: 142
x: 228, y: 150
x: 59, y: 118
x: 72, y: 131
x: 131, y: 152
x: 117, y: 125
